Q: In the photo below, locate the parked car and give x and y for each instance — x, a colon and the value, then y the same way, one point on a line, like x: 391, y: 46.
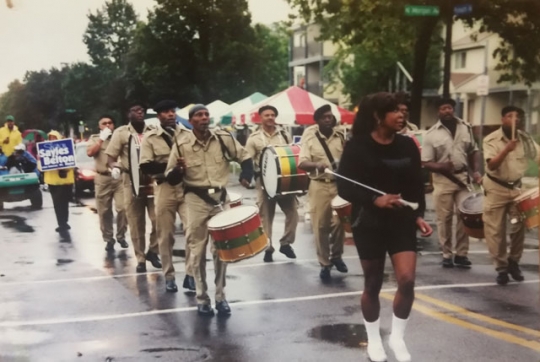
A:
x: 85, y: 171
x: 20, y: 187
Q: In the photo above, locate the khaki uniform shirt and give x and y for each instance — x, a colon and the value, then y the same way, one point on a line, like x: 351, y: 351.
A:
x: 409, y: 127
x: 155, y: 148
x: 313, y: 151
x: 206, y: 166
x: 514, y: 165
x: 100, y: 157
x: 259, y: 139
x: 119, y: 144
x: 440, y: 147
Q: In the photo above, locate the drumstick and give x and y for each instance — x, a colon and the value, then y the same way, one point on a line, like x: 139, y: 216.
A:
x: 412, y: 205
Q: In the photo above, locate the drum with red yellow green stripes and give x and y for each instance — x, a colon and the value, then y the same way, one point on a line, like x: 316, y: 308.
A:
x: 280, y: 173
x: 527, y: 205
x: 238, y: 233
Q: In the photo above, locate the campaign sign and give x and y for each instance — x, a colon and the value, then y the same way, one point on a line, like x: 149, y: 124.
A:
x: 56, y: 155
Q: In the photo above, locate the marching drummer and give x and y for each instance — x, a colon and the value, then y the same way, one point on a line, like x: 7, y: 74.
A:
x: 449, y: 149
x: 107, y: 188
x: 322, y: 148
x: 169, y: 200
x: 270, y: 134
x: 201, y: 160
x: 135, y: 205
x: 506, y: 153
x: 403, y: 106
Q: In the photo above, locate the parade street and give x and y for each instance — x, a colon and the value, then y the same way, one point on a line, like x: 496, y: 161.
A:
x: 63, y: 298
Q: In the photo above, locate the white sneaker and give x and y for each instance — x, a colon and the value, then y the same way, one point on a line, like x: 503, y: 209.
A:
x: 376, y: 352
x: 397, y: 345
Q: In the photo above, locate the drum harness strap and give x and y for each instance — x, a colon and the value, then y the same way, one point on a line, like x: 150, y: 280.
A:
x: 327, y: 151
x: 508, y: 185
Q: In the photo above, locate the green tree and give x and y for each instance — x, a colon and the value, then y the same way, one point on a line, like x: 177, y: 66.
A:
x: 369, y: 22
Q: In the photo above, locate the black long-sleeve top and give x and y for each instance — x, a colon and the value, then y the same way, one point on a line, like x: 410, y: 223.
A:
x: 394, y: 169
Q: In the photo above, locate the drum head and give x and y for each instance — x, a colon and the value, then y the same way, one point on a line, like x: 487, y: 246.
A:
x: 532, y: 193
x: 234, y: 196
x: 133, y: 153
x: 232, y: 216
x: 472, y: 204
x: 338, y: 202
x: 269, y: 171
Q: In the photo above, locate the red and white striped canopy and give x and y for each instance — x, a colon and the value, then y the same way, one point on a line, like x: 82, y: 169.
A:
x: 295, y: 107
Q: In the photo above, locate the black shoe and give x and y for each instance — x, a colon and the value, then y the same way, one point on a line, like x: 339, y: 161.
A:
x: 62, y: 228
x: 205, y: 310
x: 462, y: 262
x: 189, y: 283
x: 110, y: 245
x: 170, y: 286
x: 340, y: 265
x: 502, y: 278
x: 154, y: 259
x: 223, y: 308
x: 447, y: 263
x: 288, y: 251
x: 141, y: 268
x: 268, y: 256
x: 514, y: 271
x: 325, y: 273
x: 123, y: 243
x: 67, y: 227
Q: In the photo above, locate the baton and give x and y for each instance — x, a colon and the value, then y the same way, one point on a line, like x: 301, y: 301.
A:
x: 412, y: 205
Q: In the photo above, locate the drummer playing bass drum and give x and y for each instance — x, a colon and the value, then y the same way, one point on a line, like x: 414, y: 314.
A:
x: 269, y: 134
x: 506, y: 152
x: 322, y: 148
x: 201, y: 160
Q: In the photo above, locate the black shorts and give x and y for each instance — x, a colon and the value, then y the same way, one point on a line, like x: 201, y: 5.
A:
x: 374, y: 242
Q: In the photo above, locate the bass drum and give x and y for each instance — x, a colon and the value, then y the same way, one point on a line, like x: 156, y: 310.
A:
x: 471, y: 210
x: 280, y: 174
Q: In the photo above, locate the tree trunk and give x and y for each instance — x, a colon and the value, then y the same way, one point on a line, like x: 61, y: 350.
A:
x: 447, y: 53
x: 421, y: 51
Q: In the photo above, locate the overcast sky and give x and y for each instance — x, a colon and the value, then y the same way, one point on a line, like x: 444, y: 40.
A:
x: 39, y: 34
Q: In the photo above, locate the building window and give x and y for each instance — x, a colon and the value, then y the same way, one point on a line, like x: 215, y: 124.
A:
x: 299, y: 40
x: 460, y: 60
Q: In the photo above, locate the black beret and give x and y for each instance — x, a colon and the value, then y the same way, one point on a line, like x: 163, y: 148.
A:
x: 196, y: 108
x: 321, y: 111
x: 268, y: 107
x: 165, y: 105
x: 443, y: 101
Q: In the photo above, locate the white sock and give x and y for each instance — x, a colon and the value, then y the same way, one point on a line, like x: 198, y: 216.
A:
x: 396, y: 342
x: 375, y: 347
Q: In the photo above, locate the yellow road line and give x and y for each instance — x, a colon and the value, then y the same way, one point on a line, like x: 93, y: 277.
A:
x: 506, y: 337
x: 480, y: 317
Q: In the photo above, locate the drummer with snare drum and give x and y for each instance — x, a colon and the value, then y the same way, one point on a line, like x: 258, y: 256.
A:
x: 200, y: 159
x: 271, y: 135
x: 321, y: 149
x: 506, y: 153
x: 448, y: 150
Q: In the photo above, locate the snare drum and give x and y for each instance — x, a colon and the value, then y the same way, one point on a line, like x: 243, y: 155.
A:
x: 238, y: 233
x: 470, y: 212
x: 343, y: 210
x: 280, y: 174
x: 236, y: 199
x: 527, y: 205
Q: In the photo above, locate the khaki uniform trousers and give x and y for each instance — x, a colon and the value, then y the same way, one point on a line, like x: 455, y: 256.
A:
x: 267, y: 209
x: 327, y: 228
x: 199, y: 213
x: 135, y: 211
x: 108, y: 189
x: 446, y: 199
x: 169, y: 202
x: 498, y: 205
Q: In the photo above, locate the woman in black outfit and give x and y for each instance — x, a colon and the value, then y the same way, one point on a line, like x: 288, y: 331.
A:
x: 379, y: 157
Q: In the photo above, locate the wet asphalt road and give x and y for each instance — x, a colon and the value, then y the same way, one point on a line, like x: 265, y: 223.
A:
x: 62, y: 298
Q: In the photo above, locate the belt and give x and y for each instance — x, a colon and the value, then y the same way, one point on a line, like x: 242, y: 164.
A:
x: 325, y: 180
x: 508, y: 185
x: 104, y: 173
x: 204, y: 194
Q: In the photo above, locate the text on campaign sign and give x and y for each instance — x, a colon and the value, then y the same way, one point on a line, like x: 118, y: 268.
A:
x: 55, y: 155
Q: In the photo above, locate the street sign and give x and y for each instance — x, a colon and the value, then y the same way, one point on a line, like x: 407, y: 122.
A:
x: 463, y: 9
x: 81, y: 128
x: 482, y: 85
x: 70, y: 110
x: 421, y: 10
